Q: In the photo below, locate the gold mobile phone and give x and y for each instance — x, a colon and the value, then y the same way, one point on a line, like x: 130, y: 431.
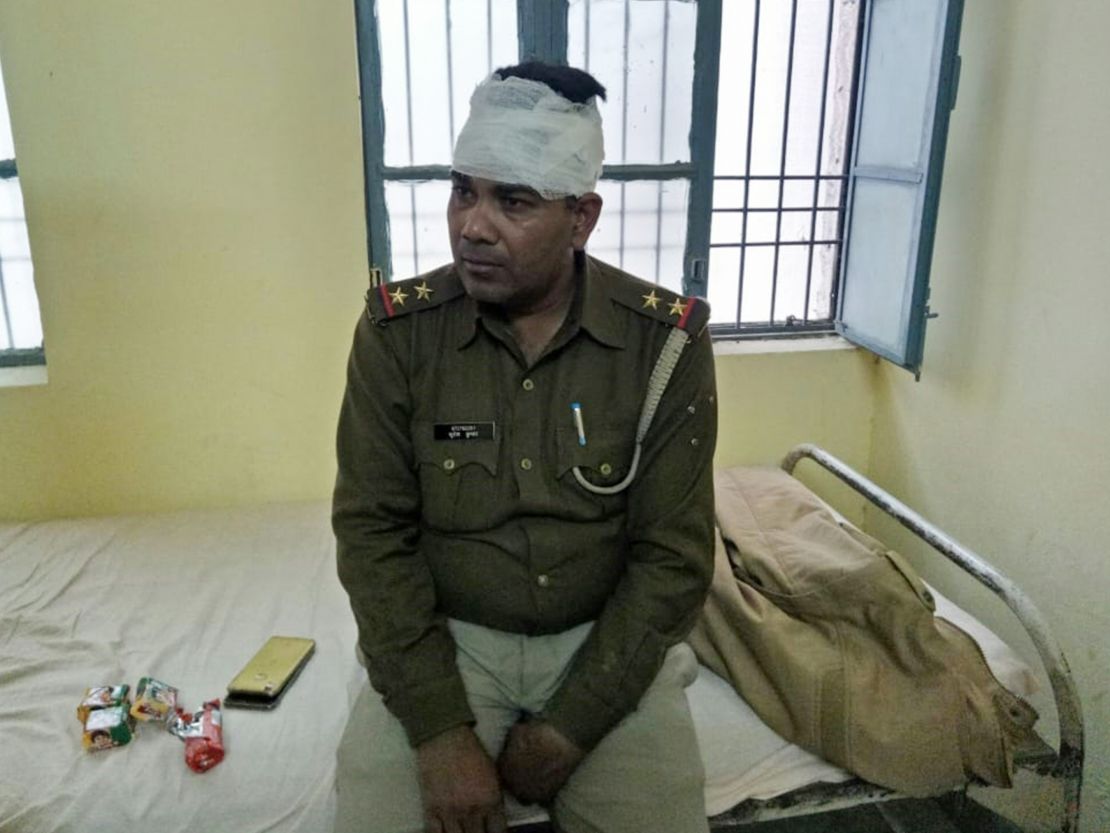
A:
x: 269, y: 673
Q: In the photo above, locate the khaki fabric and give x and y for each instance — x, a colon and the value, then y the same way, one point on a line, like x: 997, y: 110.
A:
x: 645, y: 776
x: 832, y: 640
x: 456, y: 495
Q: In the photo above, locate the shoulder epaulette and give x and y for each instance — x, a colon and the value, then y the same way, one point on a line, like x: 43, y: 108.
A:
x: 392, y: 300
x: 688, y: 313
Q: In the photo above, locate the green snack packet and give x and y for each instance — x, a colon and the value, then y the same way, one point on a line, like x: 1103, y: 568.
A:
x: 107, y: 728
x: 102, y: 697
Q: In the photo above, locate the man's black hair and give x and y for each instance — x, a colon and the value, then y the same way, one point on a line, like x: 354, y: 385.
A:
x: 572, y: 84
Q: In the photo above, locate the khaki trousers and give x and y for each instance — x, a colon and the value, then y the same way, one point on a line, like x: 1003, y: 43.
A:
x: 645, y: 776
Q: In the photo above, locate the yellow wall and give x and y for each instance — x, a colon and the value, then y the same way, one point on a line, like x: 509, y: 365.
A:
x: 192, y: 175
x: 770, y: 403
x: 1004, y: 440
x: 193, y: 188
x: 193, y: 182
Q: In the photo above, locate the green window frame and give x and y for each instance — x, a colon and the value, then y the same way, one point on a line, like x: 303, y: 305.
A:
x: 880, y: 297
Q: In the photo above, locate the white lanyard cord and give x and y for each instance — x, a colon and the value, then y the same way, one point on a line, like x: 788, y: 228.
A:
x: 657, y: 383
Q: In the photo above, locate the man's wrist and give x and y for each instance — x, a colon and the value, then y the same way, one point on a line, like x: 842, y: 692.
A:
x: 451, y: 736
x: 581, y: 717
x: 432, y: 709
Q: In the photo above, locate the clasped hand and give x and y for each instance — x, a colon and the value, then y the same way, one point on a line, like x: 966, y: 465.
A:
x: 536, y: 761
x: 461, y: 786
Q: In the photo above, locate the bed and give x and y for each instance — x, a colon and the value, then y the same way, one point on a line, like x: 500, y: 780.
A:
x: 187, y: 597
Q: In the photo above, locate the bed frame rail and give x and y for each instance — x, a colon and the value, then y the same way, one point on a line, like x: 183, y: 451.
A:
x: 1066, y: 765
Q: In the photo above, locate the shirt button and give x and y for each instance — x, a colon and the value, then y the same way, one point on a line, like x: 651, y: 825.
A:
x: 528, y: 384
x: 526, y: 464
x: 694, y: 441
x: 605, y: 469
x: 449, y: 464
x: 542, y: 580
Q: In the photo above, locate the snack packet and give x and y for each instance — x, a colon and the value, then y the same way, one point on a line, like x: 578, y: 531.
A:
x: 107, y: 728
x: 102, y: 697
x: 203, y: 735
x: 154, y: 701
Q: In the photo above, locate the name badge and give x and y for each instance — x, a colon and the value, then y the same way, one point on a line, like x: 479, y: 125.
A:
x: 464, y: 430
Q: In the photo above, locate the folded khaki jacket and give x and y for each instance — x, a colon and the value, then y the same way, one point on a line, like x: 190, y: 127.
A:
x: 831, y: 639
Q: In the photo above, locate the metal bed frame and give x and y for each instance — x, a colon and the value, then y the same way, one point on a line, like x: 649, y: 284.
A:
x: 1064, y: 765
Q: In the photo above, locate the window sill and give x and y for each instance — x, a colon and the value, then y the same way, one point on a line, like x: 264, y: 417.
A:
x: 23, y: 376
x: 753, y: 346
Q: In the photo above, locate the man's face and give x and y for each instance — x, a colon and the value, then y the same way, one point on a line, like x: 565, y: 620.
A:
x: 512, y: 247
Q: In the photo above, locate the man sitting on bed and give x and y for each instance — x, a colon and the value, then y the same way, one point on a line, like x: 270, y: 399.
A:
x: 522, y: 565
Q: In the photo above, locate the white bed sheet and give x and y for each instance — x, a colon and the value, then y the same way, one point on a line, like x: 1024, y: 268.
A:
x: 187, y: 598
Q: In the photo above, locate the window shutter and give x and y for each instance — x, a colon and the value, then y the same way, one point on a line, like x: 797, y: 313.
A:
x: 908, y: 78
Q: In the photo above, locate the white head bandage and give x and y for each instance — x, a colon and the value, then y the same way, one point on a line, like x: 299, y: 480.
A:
x: 524, y: 133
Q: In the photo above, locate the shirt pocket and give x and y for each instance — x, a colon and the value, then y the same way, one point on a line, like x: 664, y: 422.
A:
x: 604, y: 461
x: 457, y: 479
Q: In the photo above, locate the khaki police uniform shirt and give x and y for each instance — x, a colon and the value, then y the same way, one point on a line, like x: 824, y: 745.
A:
x: 456, y: 495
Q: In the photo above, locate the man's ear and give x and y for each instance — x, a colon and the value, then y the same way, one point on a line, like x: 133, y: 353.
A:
x: 587, y: 208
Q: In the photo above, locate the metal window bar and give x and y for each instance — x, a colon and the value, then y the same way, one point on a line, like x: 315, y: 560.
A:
x: 787, y: 209
x: 817, y: 163
x: 586, y: 34
x: 748, y: 163
x: 662, y: 139
x: 760, y: 27
x: 776, y: 177
x: 618, y: 173
x: 776, y: 243
x: 624, y: 114
x: 785, y: 144
x: 451, y: 74
x: 412, y: 154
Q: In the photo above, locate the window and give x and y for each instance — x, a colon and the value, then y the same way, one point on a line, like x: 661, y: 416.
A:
x: 780, y: 157
x: 786, y: 82
x: 20, y: 326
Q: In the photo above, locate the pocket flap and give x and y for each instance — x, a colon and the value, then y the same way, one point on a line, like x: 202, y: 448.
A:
x: 604, y: 459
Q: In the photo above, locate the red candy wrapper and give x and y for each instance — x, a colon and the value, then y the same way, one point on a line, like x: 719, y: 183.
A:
x: 203, y: 735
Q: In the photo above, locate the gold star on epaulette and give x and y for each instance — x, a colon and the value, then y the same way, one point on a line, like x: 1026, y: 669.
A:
x: 388, y: 301
x: 678, y: 308
x: 651, y: 300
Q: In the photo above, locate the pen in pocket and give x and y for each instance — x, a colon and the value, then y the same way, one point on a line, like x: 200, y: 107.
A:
x: 576, y: 409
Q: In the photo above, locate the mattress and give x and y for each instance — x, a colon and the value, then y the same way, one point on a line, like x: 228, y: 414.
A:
x: 188, y: 598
